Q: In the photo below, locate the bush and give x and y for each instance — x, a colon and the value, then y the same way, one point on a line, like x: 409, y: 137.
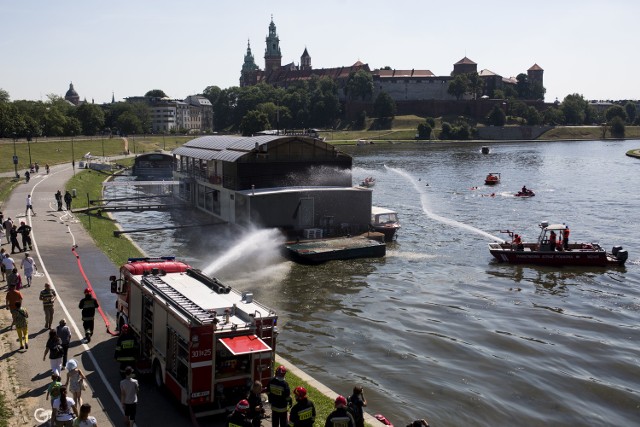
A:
x: 617, y: 127
x: 424, y: 131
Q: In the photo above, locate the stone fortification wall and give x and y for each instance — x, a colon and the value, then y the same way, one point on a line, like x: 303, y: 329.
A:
x: 414, y: 89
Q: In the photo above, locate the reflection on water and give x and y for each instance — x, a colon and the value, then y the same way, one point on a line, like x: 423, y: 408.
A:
x: 438, y: 328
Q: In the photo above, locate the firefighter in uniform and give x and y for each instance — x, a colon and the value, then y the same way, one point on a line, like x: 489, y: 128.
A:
x: 88, y: 305
x: 303, y: 413
x: 279, y: 397
x: 238, y: 418
x: 341, y: 416
x: 126, y: 349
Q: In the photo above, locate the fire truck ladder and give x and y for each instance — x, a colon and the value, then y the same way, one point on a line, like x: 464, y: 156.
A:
x: 177, y: 300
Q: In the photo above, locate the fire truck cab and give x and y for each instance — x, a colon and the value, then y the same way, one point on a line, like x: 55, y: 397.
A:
x: 203, y: 341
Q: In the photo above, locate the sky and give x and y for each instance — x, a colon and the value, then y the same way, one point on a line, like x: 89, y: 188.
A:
x: 129, y: 47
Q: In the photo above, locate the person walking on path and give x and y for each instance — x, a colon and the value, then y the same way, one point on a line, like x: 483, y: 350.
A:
x: 46, y: 167
x: 85, y: 419
x: 13, y: 297
x: 14, y: 279
x: 3, y: 269
x: 74, y: 384
x: 48, y: 296
x: 25, y: 231
x: 28, y: 264
x: 88, y: 305
x: 54, y: 349
x: 53, y: 390
x: 280, y: 398
x: 64, y: 333
x: 357, y: 402
x: 22, y: 325
x: 129, y: 389
x: 303, y: 413
x: 14, y: 239
x: 29, y: 206
x: 59, y: 199
x: 7, y: 224
x: 67, y: 200
x: 340, y: 417
x: 64, y: 410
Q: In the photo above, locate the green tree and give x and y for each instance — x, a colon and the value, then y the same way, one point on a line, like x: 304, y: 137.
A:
x: 384, y: 106
x: 424, y: 131
x: 476, y: 85
x: 253, y: 122
x: 446, y: 131
x: 72, y: 126
x: 519, y: 109
x: 536, y: 90
x: 458, y: 86
x: 553, y: 116
x: 212, y: 93
x: 325, y: 105
x: 522, y: 86
x: 359, y: 85
x: 4, y: 96
x: 617, y: 127
x: 128, y: 123
x: 533, y: 116
x: 573, y: 107
x: 155, y: 93
x: 91, y: 118
x: 631, y: 110
x: 615, y: 111
x: 496, y: 117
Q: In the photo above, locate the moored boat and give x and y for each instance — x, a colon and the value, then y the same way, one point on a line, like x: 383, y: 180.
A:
x: 369, y: 245
x: 492, y: 179
x: 385, y: 221
x: 550, y: 249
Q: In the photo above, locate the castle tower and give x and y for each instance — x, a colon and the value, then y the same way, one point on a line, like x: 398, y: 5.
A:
x: 305, y: 60
x: 464, y: 66
x: 248, y: 75
x: 72, y: 96
x: 272, y: 55
x: 536, y: 74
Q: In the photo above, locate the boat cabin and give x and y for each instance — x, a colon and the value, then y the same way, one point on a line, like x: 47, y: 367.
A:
x: 385, y: 221
x: 545, y: 235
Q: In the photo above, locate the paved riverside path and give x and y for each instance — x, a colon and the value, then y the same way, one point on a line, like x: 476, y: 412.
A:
x: 53, y: 235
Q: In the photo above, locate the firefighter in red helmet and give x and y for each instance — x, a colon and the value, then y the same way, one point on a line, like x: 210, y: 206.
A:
x: 238, y: 418
x: 280, y: 398
x: 126, y: 349
x: 303, y: 413
x: 88, y: 305
x: 340, y: 417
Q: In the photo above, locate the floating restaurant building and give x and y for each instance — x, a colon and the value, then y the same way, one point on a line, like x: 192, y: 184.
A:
x: 297, y: 183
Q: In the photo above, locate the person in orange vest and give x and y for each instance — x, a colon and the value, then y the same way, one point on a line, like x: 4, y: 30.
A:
x: 565, y: 234
x: 552, y: 241
x: 517, y: 241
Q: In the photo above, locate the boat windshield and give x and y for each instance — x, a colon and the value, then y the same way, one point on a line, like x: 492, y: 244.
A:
x: 387, y: 218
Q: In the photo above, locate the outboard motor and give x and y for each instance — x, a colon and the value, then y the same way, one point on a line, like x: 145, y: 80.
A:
x: 615, y: 250
x: 622, y: 256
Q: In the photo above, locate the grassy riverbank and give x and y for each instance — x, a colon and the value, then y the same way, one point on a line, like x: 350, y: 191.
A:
x: 88, y: 184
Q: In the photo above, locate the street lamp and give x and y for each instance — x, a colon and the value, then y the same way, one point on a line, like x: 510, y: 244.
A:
x: 29, y: 147
x: 15, y: 155
x: 73, y: 157
x: 102, y: 145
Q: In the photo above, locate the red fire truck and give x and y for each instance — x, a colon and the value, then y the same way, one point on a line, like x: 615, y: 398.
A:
x: 203, y: 341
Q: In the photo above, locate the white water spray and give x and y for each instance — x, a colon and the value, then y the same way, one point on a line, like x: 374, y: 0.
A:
x: 254, y: 252
x: 425, y: 207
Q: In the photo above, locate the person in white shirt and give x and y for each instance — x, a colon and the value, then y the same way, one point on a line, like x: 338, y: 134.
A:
x: 28, y: 264
x: 129, y: 389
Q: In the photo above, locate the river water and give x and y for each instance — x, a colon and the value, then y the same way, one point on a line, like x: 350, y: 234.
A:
x: 437, y: 328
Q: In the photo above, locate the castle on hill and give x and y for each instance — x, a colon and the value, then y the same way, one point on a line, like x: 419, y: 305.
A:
x: 402, y: 85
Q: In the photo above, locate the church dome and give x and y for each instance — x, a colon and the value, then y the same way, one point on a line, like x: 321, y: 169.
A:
x: 71, y: 92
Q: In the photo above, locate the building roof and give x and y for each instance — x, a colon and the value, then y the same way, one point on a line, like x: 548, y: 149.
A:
x: 535, y: 67
x: 227, y: 148
x: 465, y: 60
x: 486, y: 73
x: 385, y: 74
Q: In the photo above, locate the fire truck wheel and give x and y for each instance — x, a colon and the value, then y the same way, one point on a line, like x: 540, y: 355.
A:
x: 157, y: 375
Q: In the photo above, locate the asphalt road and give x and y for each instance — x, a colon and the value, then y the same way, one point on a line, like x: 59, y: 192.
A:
x: 54, y: 234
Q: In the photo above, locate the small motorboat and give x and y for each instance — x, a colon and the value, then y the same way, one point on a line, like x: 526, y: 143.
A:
x: 550, y: 249
x: 368, y: 182
x: 492, y: 179
x: 525, y: 194
x: 385, y: 221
